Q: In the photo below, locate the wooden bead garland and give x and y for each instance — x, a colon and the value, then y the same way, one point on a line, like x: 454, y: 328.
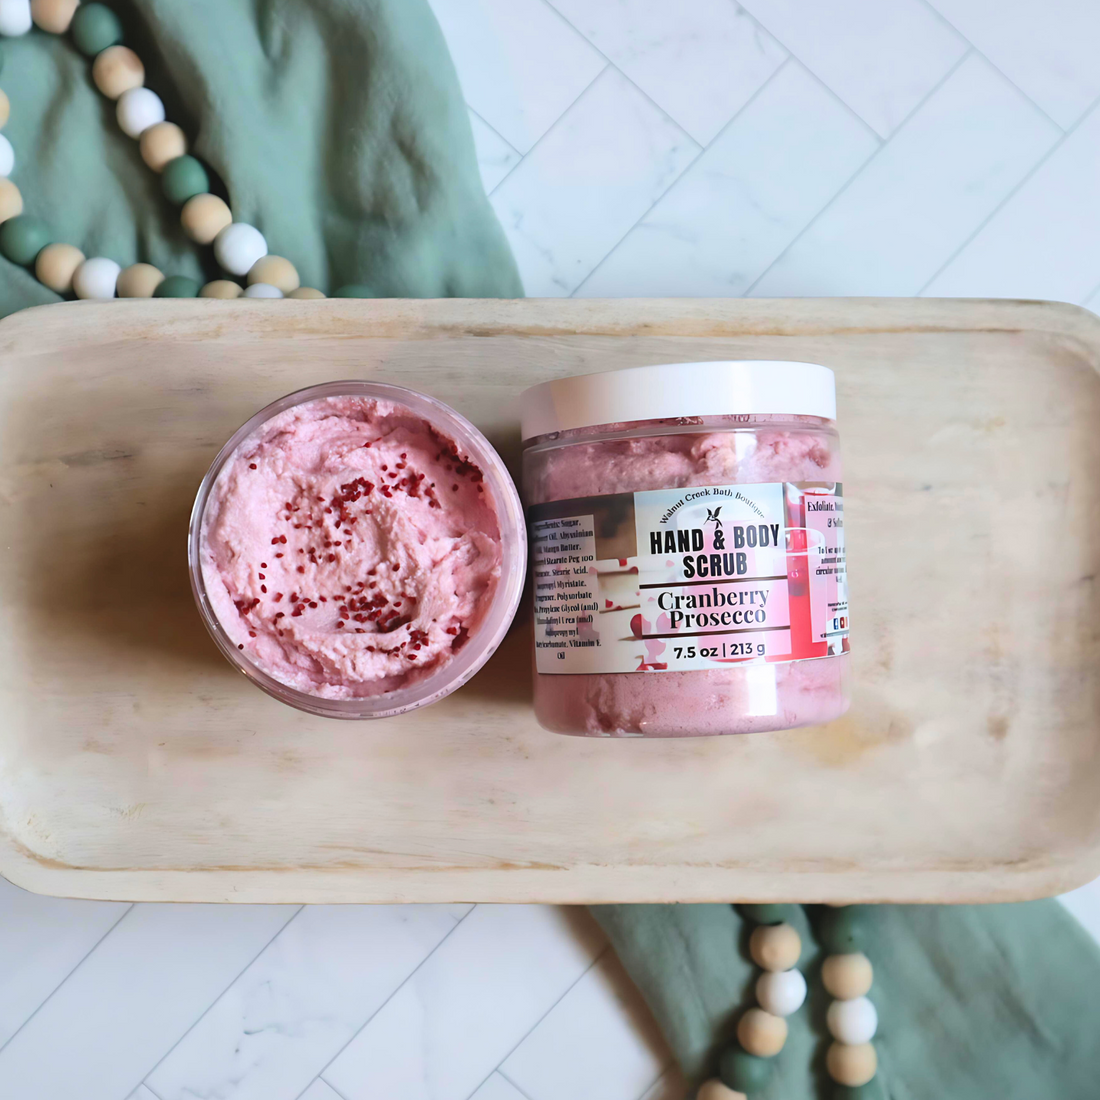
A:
x: 776, y: 947
x: 746, y: 1068
x: 120, y: 75
x: 851, y: 1018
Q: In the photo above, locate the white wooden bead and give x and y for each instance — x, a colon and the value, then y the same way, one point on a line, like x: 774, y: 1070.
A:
x: 7, y: 157
x: 15, y: 17
x: 851, y: 1065
x: 847, y: 976
x: 716, y: 1090
x: 781, y: 992
x: 238, y: 246
x: 263, y: 290
x: 775, y: 946
x: 852, y: 1022
x: 137, y: 110
x: 761, y: 1033
x: 96, y: 278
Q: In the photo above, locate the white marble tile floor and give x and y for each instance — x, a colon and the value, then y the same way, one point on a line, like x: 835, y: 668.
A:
x: 629, y: 147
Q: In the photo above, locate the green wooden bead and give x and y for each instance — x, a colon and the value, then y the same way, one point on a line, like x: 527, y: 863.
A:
x: 870, y: 1091
x: 177, y: 286
x: 766, y: 914
x: 22, y: 238
x: 94, y: 28
x: 842, y: 931
x: 1, y: 61
x: 744, y: 1072
x: 183, y: 179
x: 354, y: 290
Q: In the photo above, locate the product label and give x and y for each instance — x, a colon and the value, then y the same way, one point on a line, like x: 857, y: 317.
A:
x: 673, y: 580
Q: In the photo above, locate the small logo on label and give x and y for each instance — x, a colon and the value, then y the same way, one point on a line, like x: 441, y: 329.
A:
x: 719, y: 534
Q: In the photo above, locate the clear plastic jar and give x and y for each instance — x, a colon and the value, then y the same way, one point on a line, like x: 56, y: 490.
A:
x: 688, y: 569
x: 357, y: 550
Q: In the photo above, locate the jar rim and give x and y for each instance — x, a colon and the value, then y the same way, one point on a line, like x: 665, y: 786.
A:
x: 672, y: 390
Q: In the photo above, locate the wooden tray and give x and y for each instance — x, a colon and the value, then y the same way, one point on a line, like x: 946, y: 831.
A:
x: 135, y: 763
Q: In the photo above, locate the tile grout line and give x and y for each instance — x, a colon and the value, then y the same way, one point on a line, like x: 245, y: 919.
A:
x: 542, y: 136
x: 50, y: 995
x: 327, y: 1085
x: 1088, y: 297
x: 1063, y: 137
x: 146, y: 1085
x: 359, y: 1030
x: 494, y: 130
x: 687, y: 168
x: 852, y: 178
x: 523, y: 1039
x: 947, y: 23
x: 657, y: 1080
x: 637, y: 87
x: 229, y: 985
x: 509, y: 1079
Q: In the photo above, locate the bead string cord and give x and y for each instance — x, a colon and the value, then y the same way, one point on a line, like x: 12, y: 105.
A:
x: 239, y: 248
x: 747, y: 1067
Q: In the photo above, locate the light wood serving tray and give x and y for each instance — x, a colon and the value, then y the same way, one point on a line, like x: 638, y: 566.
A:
x: 135, y: 763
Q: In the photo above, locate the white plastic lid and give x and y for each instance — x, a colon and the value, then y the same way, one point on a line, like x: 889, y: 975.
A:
x: 748, y: 386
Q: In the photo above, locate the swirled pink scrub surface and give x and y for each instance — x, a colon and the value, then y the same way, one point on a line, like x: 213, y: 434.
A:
x: 740, y: 698
x: 349, y: 548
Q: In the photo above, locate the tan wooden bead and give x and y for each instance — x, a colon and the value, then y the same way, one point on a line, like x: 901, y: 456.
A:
x: 221, y: 288
x: 775, y: 946
x: 139, y: 281
x: 204, y: 216
x: 851, y: 1065
x: 54, y: 16
x: 761, y: 1033
x: 5, y: 108
x: 161, y: 143
x: 276, y: 271
x: 116, y: 70
x: 306, y: 292
x: 716, y: 1090
x: 846, y: 977
x: 11, y: 201
x: 55, y: 266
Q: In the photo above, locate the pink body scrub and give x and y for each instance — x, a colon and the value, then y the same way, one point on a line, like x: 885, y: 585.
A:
x: 351, y: 548
x: 688, y: 569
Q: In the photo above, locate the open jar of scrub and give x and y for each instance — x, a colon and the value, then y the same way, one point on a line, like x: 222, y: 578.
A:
x: 357, y: 550
x: 686, y: 524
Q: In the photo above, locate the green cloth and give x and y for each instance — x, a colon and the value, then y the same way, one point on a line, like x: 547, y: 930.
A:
x: 336, y: 127
x: 997, y: 1001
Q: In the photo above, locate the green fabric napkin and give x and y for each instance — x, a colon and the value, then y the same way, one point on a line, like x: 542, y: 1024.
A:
x: 999, y: 1002
x: 336, y: 127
